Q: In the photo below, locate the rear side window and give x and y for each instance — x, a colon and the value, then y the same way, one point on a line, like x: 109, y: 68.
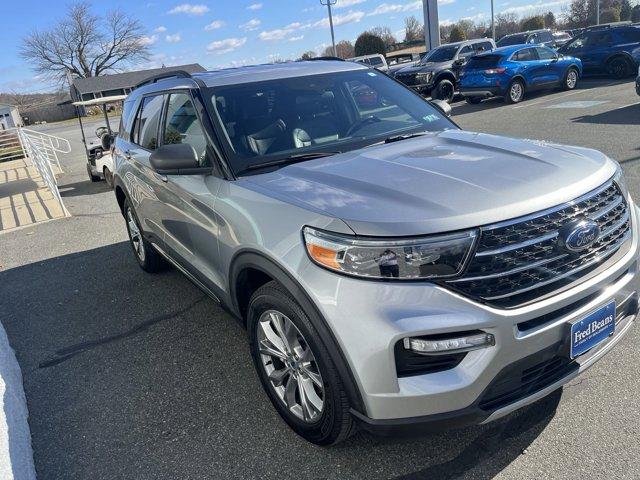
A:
x: 632, y: 35
x: 183, y: 126
x: 525, y: 55
x: 485, y: 61
x: 146, y: 127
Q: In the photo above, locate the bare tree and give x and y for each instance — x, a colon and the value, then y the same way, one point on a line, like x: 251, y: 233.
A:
x: 85, y: 45
x: 385, y: 34
x: 344, y: 49
x: 413, y: 29
x: 308, y: 55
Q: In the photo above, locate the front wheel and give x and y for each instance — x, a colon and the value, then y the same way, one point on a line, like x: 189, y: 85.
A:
x: 445, y: 90
x: 570, y: 79
x: 295, y: 368
x: 515, y: 93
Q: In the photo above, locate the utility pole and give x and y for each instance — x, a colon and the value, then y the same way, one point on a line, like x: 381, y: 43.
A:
x: 597, y: 12
x: 328, y: 3
x: 493, y: 23
x: 431, y: 24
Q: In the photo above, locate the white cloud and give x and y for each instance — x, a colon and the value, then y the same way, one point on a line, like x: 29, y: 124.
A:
x: 175, y: 38
x: 351, y: 17
x: 146, y: 40
x: 251, y: 25
x: 280, y: 33
x: 347, y: 3
x: 446, y: 22
x: 449, y: 2
x: 537, y: 6
x: 189, y: 9
x: 296, y: 39
x: 220, y: 47
x: 400, y: 7
x: 214, y: 25
x: 254, y: 6
x: 161, y: 29
x: 474, y: 18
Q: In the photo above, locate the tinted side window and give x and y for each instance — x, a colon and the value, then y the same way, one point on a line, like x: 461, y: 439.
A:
x: 466, y: 51
x: 631, y: 35
x: 525, y: 55
x: 126, y: 120
x: 545, y: 54
x: 601, y: 39
x: 483, y: 47
x: 183, y: 126
x: 146, y: 128
x: 545, y: 36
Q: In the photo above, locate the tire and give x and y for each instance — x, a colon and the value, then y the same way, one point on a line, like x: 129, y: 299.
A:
x: 327, y: 420
x: 570, y: 81
x: 444, y: 90
x: 148, y: 258
x: 512, y: 96
x: 92, y: 177
x: 473, y: 100
x: 108, y: 177
x: 619, y: 68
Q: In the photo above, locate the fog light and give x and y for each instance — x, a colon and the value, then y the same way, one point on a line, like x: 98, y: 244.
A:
x: 449, y: 345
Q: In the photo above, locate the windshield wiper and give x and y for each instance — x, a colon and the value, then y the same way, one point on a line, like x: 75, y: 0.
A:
x: 298, y: 157
x: 406, y: 136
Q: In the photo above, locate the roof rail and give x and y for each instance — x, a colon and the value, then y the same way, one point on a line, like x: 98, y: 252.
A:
x: 315, y: 59
x: 604, y: 26
x: 162, y: 76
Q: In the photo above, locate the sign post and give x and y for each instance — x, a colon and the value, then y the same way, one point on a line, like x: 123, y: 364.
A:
x: 431, y: 24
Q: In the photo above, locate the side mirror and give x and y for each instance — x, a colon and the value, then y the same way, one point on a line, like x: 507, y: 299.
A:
x: 175, y: 159
x: 443, y: 106
x: 460, y: 61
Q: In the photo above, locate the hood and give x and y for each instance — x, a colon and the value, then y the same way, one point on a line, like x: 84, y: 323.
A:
x: 441, y: 182
x: 427, y: 67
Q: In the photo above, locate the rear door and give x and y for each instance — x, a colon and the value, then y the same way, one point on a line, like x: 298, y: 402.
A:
x: 528, y: 60
x: 140, y: 179
x: 598, y: 49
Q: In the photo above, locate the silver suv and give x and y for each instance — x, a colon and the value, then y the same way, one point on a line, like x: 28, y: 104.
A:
x: 393, y: 271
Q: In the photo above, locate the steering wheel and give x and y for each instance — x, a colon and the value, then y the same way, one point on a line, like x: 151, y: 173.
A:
x: 361, y: 123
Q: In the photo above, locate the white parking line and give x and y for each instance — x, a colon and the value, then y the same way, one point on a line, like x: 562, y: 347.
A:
x: 542, y: 100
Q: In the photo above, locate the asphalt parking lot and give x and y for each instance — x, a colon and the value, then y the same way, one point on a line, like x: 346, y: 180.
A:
x: 132, y: 376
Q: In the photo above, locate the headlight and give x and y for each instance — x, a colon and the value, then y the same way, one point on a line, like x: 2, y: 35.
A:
x: 424, y: 76
x: 618, y: 178
x: 438, y: 256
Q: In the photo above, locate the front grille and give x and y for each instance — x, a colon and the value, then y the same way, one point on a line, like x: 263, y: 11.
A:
x: 521, y: 260
x: 408, y: 79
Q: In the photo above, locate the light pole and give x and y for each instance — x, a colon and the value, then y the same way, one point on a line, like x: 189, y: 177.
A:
x: 431, y: 24
x: 328, y: 3
x: 493, y: 22
x: 597, y: 12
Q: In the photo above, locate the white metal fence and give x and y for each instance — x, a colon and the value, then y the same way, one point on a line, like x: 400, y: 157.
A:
x: 41, y: 149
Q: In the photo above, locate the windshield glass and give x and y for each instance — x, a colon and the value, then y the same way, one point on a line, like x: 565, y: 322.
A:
x: 513, y: 40
x: 576, y: 43
x: 441, y: 54
x: 273, y: 120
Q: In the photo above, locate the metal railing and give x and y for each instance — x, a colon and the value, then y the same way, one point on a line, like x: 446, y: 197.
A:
x: 41, y: 149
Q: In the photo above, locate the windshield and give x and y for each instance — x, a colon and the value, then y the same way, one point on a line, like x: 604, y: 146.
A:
x: 575, y: 44
x: 513, y: 40
x: 264, y: 122
x: 440, y: 54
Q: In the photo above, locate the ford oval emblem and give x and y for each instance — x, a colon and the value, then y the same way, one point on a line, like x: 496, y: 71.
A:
x: 579, y: 235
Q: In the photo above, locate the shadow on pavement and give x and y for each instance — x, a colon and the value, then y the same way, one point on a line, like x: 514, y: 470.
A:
x: 17, y: 187
x: 138, y: 376
x: 629, y: 115
x: 80, y: 189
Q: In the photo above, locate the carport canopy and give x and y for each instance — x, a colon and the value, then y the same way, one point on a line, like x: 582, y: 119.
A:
x: 100, y: 101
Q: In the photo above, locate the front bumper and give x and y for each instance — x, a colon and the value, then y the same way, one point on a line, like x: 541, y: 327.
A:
x: 368, y: 318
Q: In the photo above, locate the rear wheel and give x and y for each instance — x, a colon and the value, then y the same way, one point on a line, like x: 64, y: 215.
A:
x: 295, y: 368
x: 619, y: 68
x: 445, y: 90
x: 92, y: 176
x: 473, y: 100
x: 515, y: 92
x: 570, y: 79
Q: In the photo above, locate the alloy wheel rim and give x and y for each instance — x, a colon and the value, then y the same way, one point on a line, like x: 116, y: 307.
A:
x: 447, y: 93
x: 572, y: 79
x: 290, y: 366
x: 516, y: 92
x: 135, y: 236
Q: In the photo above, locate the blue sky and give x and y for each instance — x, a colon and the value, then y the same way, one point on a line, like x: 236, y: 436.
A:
x: 222, y: 33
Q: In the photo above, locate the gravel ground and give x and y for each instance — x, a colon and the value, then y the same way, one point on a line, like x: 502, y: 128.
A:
x: 131, y: 376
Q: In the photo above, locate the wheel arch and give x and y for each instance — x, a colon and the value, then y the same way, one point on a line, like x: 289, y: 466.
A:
x: 256, y: 261
x: 445, y: 75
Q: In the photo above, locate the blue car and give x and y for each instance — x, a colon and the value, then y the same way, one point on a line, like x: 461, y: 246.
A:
x: 512, y: 71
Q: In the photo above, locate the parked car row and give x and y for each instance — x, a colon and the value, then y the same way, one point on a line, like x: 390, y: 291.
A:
x: 523, y: 62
